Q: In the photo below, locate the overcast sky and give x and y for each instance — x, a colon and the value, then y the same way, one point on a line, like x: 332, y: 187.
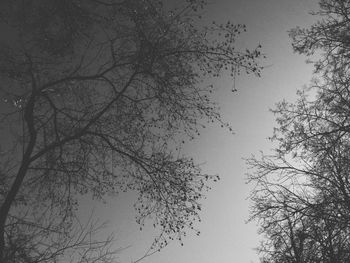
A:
x: 225, y: 237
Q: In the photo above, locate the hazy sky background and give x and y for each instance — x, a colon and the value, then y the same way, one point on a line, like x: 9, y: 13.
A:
x: 225, y: 237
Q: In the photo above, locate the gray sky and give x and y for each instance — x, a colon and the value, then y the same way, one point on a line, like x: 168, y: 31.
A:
x: 224, y: 235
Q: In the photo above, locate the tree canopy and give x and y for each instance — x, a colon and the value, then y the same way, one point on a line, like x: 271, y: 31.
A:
x: 95, y: 96
x: 302, y: 189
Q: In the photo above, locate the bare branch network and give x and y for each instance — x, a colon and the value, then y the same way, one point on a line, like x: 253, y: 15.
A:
x: 302, y: 194
x: 95, y: 96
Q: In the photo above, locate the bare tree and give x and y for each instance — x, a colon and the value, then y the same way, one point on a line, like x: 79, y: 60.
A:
x: 302, y: 189
x: 95, y: 97
x: 303, y: 186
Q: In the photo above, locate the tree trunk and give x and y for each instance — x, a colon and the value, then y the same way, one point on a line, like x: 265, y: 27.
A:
x: 11, y: 195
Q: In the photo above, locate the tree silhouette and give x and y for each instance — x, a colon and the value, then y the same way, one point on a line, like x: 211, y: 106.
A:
x: 95, y: 97
x: 302, y: 189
